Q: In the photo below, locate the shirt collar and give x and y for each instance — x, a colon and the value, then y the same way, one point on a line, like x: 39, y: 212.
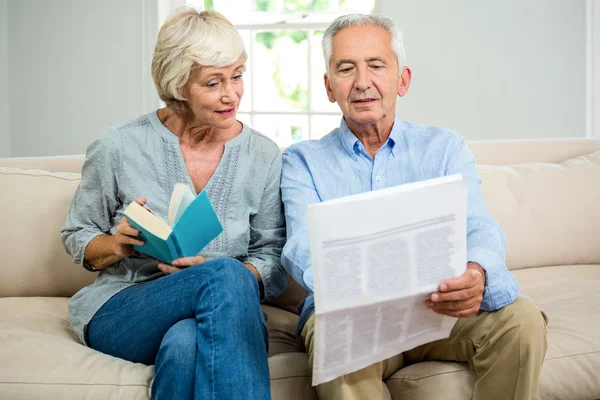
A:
x: 351, y: 143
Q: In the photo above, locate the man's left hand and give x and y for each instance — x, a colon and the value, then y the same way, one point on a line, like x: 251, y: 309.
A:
x: 460, y: 297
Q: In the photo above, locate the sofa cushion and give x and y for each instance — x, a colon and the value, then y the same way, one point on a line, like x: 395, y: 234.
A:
x: 281, y: 325
x: 570, y: 297
x: 41, y: 357
x: 433, y: 380
x: 547, y: 210
x: 34, y: 261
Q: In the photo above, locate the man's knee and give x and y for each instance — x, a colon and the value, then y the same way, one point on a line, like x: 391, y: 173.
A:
x: 525, y: 318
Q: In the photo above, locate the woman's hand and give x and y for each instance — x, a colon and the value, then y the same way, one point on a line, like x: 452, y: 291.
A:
x: 179, y: 264
x: 126, y: 236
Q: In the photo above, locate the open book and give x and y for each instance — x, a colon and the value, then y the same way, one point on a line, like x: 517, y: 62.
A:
x: 376, y: 258
x: 192, y: 224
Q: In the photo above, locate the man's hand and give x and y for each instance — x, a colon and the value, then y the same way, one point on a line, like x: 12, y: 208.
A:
x: 460, y: 297
x: 179, y: 264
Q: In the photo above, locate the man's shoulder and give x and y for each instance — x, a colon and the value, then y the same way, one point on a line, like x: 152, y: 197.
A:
x: 315, y: 146
x: 428, y: 135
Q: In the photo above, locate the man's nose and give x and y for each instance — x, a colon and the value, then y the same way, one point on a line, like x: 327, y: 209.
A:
x: 362, y: 81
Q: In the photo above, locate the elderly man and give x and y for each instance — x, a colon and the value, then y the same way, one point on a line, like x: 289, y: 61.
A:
x: 501, y: 335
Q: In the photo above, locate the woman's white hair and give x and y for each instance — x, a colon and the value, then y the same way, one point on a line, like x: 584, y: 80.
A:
x: 190, y: 39
x: 350, y: 20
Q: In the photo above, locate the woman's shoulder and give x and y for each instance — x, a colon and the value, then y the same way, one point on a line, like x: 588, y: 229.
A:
x: 133, y: 125
x: 114, y: 136
x: 262, y: 144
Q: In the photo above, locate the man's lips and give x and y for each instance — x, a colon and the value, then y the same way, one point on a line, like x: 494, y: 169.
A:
x: 364, y: 101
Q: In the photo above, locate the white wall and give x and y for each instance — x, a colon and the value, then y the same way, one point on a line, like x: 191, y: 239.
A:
x: 75, y: 68
x: 495, y: 69
x: 4, y: 110
x: 485, y: 68
x: 595, y: 49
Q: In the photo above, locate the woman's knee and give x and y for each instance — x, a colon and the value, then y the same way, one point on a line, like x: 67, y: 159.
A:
x: 179, y: 343
x: 235, y: 278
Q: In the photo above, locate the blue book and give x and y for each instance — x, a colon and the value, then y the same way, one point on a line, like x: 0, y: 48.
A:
x: 192, y: 224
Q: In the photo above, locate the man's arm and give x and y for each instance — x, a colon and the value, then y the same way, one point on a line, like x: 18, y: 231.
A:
x: 297, y: 192
x: 486, y: 284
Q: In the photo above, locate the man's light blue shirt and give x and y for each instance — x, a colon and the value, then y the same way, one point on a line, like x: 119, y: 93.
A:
x: 338, y: 165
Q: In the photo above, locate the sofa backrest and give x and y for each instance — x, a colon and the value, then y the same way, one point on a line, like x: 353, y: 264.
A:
x: 542, y: 227
x: 50, y: 164
x: 518, y: 151
x: 34, y: 204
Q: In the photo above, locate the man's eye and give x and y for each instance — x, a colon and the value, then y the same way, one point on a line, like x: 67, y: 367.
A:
x: 376, y: 67
x: 344, y: 70
x: 237, y: 77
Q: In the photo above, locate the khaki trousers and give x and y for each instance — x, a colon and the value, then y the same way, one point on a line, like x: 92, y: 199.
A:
x: 505, y: 348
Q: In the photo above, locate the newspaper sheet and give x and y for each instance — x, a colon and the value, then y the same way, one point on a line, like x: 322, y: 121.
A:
x: 376, y: 258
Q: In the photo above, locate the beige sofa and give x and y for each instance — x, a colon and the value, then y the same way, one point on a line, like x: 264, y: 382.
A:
x: 549, y: 208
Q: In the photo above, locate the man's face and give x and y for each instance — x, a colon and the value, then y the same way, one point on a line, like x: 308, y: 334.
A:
x: 363, y: 75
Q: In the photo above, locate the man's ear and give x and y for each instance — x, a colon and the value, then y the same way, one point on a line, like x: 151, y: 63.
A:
x: 330, y: 95
x: 404, y: 81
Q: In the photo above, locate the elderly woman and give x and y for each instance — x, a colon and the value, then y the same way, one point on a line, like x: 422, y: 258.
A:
x: 199, y: 320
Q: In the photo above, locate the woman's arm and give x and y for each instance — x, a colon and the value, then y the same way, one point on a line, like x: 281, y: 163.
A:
x: 105, y: 250
x: 86, y: 233
x: 267, y: 237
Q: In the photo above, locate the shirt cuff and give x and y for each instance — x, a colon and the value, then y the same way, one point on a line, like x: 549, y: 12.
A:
x: 501, y: 287
x: 273, y: 278
x: 85, y: 237
x: 307, y: 277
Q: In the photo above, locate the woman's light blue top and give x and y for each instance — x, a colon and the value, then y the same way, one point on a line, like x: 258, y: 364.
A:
x: 142, y: 158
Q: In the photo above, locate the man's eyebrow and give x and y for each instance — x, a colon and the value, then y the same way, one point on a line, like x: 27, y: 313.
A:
x: 376, y: 59
x: 343, y: 61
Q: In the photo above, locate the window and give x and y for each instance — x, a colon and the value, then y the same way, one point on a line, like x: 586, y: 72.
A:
x: 285, y: 96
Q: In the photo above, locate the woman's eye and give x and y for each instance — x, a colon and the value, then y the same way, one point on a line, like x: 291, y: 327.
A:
x: 237, y: 77
x: 212, y: 84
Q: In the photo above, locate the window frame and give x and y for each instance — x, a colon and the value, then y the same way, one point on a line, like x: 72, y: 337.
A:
x: 276, y: 21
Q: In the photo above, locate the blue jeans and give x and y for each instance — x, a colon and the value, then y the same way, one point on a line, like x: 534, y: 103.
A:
x: 202, y: 329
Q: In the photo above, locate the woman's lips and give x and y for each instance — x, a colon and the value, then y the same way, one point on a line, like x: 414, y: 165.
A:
x: 227, y: 113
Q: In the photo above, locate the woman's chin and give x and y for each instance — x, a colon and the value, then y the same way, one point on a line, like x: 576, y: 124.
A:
x: 225, y: 123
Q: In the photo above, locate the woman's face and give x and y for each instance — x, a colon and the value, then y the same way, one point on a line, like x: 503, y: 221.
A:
x: 214, y: 94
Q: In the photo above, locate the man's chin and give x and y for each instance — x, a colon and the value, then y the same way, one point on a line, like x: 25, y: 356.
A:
x: 365, y: 117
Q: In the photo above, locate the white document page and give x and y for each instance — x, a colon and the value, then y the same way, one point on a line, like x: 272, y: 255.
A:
x: 376, y: 258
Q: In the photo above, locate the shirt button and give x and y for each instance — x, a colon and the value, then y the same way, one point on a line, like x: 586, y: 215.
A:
x: 377, y: 178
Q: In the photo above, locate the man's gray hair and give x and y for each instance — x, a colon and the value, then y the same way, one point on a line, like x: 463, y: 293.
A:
x: 347, y: 21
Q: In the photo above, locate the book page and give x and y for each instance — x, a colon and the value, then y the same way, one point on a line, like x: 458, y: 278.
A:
x: 375, y: 260
x: 181, y: 198
x: 143, y: 216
